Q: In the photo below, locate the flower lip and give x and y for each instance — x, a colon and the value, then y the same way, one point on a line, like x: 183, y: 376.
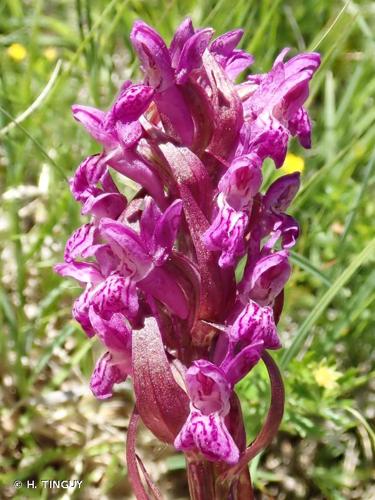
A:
x: 242, y: 181
x: 208, y: 435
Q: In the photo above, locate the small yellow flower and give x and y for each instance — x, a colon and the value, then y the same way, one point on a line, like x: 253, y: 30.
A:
x: 292, y: 163
x: 326, y: 377
x: 50, y: 53
x: 17, y: 52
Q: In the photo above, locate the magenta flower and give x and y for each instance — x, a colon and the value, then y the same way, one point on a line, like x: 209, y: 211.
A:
x: 205, y: 429
x: 118, y: 127
x: 274, y: 107
x: 115, y: 364
x: 237, y: 188
x: 157, y: 271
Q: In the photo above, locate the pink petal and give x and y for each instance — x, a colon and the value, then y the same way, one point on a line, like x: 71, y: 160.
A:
x: 281, y: 192
x: 127, y: 244
x: 191, y: 54
x: 81, y: 271
x: 132, y: 102
x: 105, y: 205
x: 80, y: 241
x: 150, y: 217
x: 87, y: 175
x: 115, y: 333
x: 300, y: 126
x: 237, y: 63
x: 128, y: 133
x: 226, y: 233
x: 106, y: 259
x: 255, y: 323
x: 104, y: 376
x: 208, y: 388
x: 268, y: 277
x: 80, y: 311
x: 93, y: 121
x: 283, y: 227
x: 271, y: 139
x: 166, y: 231
x: 115, y: 294
x: 153, y: 54
x: 225, y: 44
x: 240, y: 365
x: 242, y: 181
x: 181, y: 36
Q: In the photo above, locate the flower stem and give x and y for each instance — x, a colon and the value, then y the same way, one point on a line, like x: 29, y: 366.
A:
x: 204, y: 484
x: 201, y: 479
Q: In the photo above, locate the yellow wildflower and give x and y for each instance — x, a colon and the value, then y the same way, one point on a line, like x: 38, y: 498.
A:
x: 292, y: 163
x: 50, y: 53
x: 17, y: 52
x: 326, y: 377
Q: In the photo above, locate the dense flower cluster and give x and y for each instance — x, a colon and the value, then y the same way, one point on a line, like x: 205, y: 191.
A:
x: 195, y: 141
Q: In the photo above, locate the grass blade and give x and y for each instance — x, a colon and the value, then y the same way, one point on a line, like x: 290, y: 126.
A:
x: 36, y: 143
x: 364, y: 422
x: 331, y: 26
x: 352, y: 213
x: 43, y: 361
x: 322, y: 304
x: 37, y: 103
x: 306, y: 265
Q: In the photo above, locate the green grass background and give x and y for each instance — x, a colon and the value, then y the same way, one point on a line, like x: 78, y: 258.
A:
x: 51, y: 428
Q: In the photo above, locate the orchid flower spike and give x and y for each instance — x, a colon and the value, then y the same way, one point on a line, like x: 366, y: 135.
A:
x: 158, y: 271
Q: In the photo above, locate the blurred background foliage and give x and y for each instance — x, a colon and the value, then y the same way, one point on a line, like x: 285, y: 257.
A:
x: 56, y: 53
